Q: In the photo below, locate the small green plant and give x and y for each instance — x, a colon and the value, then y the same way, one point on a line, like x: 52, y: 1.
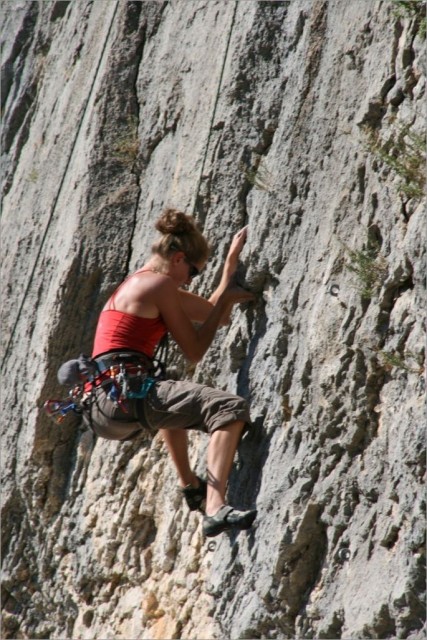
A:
x: 404, y: 153
x: 33, y: 176
x: 126, y: 147
x: 409, y: 361
x: 260, y: 176
x: 370, y: 267
x: 412, y: 9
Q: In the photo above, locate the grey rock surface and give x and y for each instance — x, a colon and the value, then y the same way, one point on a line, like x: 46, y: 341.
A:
x: 272, y: 114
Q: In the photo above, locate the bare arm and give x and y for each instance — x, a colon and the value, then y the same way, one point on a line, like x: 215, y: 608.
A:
x: 198, y: 308
x: 149, y: 294
x: 230, y: 267
x: 193, y: 341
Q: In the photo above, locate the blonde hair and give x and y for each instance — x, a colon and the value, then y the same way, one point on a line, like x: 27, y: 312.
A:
x: 180, y: 232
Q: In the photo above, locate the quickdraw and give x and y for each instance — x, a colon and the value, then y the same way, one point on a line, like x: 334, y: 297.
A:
x: 73, y: 373
x: 58, y: 409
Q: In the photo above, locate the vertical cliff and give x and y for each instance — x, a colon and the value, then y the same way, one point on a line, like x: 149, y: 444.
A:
x: 305, y: 120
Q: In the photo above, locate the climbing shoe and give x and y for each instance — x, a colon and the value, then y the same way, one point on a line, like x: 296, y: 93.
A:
x: 195, y: 497
x: 227, y: 518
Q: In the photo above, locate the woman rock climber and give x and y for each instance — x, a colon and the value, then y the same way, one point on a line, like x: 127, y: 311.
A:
x: 146, y: 306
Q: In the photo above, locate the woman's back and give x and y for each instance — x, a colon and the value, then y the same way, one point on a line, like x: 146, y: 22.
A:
x: 119, y: 330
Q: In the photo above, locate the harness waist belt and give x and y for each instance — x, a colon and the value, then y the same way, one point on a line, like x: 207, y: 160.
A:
x: 124, y: 357
x: 112, y: 367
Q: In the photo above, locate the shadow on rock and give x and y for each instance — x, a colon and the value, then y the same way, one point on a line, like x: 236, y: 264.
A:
x: 245, y: 478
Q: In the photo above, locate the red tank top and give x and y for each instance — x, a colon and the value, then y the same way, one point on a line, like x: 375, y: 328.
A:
x: 119, y: 330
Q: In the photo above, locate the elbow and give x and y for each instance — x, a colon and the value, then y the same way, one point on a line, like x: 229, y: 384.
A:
x: 195, y: 359
x: 195, y: 355
x: 225, y: 318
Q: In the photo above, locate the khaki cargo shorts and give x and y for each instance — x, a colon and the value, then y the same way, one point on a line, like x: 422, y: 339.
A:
x: 169, y: 404
x: 172, y: 404
x: 110, y: 421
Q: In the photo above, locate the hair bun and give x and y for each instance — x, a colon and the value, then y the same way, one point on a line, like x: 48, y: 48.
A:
x: 174, y: 222
x: 180, y: 232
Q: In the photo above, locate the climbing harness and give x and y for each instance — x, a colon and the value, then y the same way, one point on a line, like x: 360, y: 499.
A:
x: 124, y: 375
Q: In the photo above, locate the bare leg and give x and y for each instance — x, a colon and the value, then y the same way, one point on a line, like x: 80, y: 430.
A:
x: 177, y: 443
x: 221, y: 450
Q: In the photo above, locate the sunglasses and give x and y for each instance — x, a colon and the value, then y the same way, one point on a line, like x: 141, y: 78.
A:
x: 193, y: 270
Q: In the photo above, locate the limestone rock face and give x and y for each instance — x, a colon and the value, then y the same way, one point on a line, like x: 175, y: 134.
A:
x: 302, y: 120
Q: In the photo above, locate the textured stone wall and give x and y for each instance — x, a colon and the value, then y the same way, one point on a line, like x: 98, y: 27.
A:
x: 281, y: 116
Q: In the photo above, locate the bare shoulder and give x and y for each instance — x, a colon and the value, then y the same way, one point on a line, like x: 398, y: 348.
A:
x: 150, y: 281
x: 144, y: 288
